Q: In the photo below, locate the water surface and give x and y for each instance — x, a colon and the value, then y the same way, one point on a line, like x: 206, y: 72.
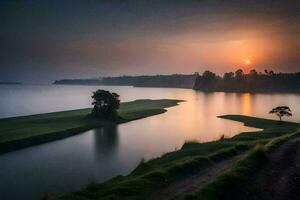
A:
x: 97, y: 155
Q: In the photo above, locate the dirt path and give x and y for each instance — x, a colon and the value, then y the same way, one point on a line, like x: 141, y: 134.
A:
x: 193, y: 182
x: 280, y: 178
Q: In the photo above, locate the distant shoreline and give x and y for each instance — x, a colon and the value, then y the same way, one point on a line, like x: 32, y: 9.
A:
x: 159, y: 81
x: 10, y: 83
x: 238, y: 82
x: 253, y: 82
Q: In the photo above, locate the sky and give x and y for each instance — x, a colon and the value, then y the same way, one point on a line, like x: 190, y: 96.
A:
x: 41, y: 41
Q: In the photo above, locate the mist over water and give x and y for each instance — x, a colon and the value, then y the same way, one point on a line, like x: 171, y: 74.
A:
x: 97, y: 155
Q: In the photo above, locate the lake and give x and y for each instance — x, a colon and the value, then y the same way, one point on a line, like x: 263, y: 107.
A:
x: 97, y: 155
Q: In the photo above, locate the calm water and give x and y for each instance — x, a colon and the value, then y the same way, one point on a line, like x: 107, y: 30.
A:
x: 97, y: 155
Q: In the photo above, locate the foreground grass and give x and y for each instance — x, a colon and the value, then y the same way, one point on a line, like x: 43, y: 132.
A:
x: 18, y: 132
x: 222, y: 186
x: 152, y: 175
x: 227, y: 184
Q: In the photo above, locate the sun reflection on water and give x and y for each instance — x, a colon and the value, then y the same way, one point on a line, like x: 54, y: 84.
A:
x: 247, y: 104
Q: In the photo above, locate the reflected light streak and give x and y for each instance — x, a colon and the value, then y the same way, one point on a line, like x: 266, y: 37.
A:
x: 247, y: 104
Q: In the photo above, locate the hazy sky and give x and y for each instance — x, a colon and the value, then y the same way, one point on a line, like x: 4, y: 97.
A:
x: 41, y: 41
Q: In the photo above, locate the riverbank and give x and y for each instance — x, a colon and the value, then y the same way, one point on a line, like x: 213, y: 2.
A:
x: 268, y: 171
x: 152, y: 177
x: 20, y: 132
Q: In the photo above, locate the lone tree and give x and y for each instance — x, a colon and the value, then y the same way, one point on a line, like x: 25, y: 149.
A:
x: 281, y: 111
x: 105, y: 104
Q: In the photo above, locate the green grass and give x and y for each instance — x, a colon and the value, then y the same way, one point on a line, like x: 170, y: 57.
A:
x: 146, y: 179
x: 152, y: 175
x: 227, y: 184
x: 261, y: 123
x: 276, y: 142
x: 222, y: 186
x: 18, y: 132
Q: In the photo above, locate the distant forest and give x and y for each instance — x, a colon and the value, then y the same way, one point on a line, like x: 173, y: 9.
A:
x: 254, y: 81
x: 168, y: 81
x: 238, y: 81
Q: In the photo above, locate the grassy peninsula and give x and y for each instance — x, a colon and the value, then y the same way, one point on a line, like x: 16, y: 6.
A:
x: 197, y: 170
x: 18, y: 132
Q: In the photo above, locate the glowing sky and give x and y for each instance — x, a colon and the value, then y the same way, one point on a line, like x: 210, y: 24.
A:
x: 45, y: 40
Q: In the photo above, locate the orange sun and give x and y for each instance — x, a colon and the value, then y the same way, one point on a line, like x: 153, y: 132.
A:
x: 248, y: 62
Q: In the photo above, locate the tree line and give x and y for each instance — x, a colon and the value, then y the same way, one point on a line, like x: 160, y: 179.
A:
x: 168, y: 81
x: 238, y: 81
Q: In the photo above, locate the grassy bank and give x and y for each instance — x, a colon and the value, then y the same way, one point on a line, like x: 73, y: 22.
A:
x: 18, y: 132
x: 230, y: 182
x: 155, y: 174
x: 262, y: 123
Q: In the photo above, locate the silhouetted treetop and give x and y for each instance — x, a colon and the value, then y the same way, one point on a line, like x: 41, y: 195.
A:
x: 105, y: 104
x: 239, y: 73
x: 228, y: 76
x: 281, y: 111
x: 254, y: 81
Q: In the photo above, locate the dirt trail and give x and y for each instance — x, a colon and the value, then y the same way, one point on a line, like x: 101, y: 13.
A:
x: 280, y: 178
x: 193, y: 182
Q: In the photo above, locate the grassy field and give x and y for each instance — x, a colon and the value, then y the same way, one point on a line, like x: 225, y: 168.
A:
x: 18, y: 132
x: 151, y: 176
